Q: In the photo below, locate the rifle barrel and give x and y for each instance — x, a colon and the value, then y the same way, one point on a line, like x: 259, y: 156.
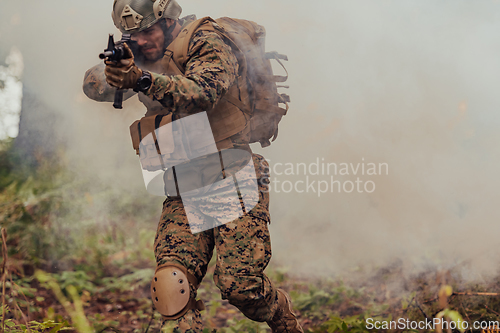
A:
x: 106, y: 54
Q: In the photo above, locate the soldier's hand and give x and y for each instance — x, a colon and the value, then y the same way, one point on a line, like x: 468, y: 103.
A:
x: 124, y: 74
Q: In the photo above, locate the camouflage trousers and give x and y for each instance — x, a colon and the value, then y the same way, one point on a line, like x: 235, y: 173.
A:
x: 243, y: 250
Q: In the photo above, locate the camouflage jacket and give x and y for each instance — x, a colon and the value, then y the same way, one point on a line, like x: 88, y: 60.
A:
x: 211, y: 69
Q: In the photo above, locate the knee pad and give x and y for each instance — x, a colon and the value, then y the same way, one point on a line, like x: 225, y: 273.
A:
x: 170, y: 291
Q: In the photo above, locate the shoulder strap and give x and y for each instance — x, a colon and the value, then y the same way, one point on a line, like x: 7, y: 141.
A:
x: 180, y: 46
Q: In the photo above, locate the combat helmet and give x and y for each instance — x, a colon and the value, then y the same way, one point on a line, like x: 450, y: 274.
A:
x: 131, y: 16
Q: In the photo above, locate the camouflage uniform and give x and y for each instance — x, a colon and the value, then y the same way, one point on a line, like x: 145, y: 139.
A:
x: 243, y: 246
x: 243, y: 252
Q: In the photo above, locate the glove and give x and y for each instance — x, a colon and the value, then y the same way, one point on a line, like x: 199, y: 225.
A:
x: 125, y: 73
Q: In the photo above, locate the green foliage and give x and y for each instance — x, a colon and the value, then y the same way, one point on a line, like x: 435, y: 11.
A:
x: 28, y: 196
x: 79, y: 280
x: 53, y: 215
x: 277, y: 274
x: 244, y: 325
x: 99, y: 323
x: 138, y: 279
x: 406, y: 300
x: 313, y: 300
x: 453, y: 316
x: 318, y: 300
x: 74, y: 309
x: 213, y: 305
x: 35, y: 326
x: 354, y: 324
x: 5, y: 163
x: 49, y: 326
x: 21, y: 293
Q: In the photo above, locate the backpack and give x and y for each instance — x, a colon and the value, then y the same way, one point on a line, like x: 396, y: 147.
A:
x: 247, y: 40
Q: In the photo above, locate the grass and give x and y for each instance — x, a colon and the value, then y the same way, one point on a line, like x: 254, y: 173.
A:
x: 72, y: 259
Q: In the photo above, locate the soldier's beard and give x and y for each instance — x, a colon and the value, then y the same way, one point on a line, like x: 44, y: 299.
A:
x: 153, y: 57
x: 168, y: 38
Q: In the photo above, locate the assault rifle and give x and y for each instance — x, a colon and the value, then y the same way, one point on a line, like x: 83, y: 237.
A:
x: 115, y: 53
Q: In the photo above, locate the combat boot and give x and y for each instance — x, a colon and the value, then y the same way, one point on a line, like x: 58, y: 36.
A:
x: 284, y: 320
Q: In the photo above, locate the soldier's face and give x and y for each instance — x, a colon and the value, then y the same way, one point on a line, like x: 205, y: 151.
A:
x: 150, y: 42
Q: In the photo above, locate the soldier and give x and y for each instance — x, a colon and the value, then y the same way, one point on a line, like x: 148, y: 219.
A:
x: 243, y: 246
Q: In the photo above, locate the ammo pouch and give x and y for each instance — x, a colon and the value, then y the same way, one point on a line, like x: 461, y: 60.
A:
x: 181, y: 156
x: 162, y: 142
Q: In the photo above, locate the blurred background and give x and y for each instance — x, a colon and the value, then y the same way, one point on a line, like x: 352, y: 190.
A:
x: 412, y: 85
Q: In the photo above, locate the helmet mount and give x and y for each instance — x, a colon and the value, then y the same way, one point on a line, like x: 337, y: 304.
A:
x: 130, y: 19
x: 131, y: 16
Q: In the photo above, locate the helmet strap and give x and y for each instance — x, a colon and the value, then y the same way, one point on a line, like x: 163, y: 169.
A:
x: 167, y: 32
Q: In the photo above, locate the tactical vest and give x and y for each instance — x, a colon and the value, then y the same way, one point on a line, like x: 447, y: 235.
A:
x: 227, y: 118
